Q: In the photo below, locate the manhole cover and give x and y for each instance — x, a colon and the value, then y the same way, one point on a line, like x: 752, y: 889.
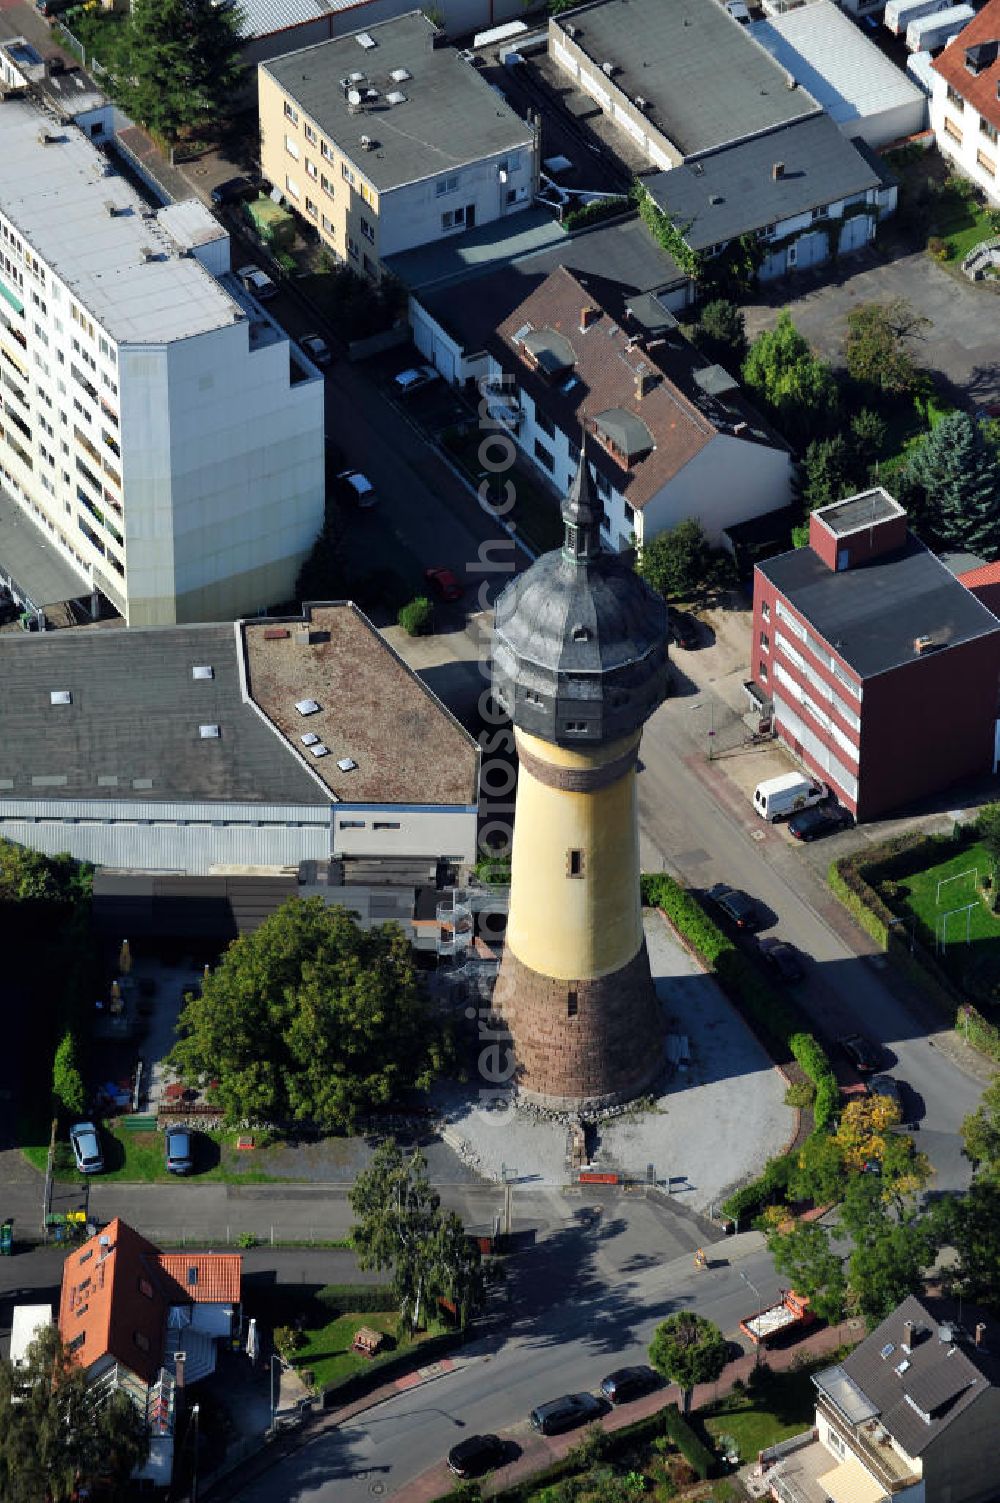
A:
x: 758, y: 834
x: 378, y: 1488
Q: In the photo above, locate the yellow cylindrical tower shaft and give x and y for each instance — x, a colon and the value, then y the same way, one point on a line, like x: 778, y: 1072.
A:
x: 575, y: 910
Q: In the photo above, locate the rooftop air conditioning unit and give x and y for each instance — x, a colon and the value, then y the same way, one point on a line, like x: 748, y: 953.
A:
x: 571, y: 30
x: 400, y: 75
x: 367, y: 143
x: 45, y: 137
x: 640, y: 103
x: 921, y: 644
x: 607, y: 69
x: 147, y: 253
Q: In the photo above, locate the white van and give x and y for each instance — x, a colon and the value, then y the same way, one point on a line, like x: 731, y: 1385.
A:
x: 777, y: 797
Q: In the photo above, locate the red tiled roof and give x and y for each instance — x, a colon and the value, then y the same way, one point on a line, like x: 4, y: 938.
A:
x: 202, y: 1278
x: 981, y: 90
x: 117, y: 1289
x: 986, y: 574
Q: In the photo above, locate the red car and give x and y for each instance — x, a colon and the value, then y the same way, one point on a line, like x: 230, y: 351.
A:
x: 445, y: 583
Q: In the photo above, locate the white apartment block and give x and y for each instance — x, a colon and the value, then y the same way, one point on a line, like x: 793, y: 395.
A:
x: 156, y: 427
x: 384, y: 142
x: 965, y: 107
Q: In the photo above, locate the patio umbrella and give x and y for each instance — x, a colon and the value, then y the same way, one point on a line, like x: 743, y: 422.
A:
x: 253, y: 1344
x: 116, y: 997
x: 125, y: 958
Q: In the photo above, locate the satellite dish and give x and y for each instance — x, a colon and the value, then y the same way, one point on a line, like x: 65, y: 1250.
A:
x: 353, y: 96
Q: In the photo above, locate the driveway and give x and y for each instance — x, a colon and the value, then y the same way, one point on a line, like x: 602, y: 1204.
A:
x: 960, y: 345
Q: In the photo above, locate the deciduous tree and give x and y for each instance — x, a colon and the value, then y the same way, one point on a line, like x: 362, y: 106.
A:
x: 721, y: 334
x: 67, y: 1081
x: 688, y: 1349
x: 310, y: 1019
x: 876, y: 348
x: 57, y: 1442
x: 677, y: 562
x: 176, y: 65
x: 981, y: 1132
x: 802, y: 1252
x: 830, y: 471
x: 782, y: 371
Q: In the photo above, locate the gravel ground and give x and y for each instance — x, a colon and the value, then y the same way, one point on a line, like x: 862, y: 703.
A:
x: 700, y: 1134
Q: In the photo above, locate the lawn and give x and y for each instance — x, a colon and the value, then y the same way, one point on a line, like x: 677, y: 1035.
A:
x: 782, y: 1405
x: 941, y: 890
x: 138, y: 1157
x: 961, y: 222
x: 328, y: 1354
x: 535, y: 512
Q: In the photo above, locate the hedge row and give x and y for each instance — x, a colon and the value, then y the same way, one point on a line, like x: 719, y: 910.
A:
x: 749, y: 1200
x: 690, y: 1447
x: 340, y: 1299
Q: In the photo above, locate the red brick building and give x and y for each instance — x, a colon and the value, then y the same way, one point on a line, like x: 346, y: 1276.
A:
x: 882, y: 668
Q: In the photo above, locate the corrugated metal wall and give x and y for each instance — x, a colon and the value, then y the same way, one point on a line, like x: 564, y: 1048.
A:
x: 171, y: 847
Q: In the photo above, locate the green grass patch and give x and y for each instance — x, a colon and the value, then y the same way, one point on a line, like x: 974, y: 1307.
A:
x: 941, y: 889
x: 961, y: 223
x: 778, y: 1406
x: 139, y: 1158
x: 327, y: 1352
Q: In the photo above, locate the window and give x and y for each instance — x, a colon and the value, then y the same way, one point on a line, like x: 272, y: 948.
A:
x: 988, y: 130
x: 351, y: 824
x: 544, y: 456
x: 77, y: 1342
x: 765, y: 612
x: 368, y: 265
x: 572, y: 1003
x: 386, y: 824
x: 292, y: 147
x: 574, y: 864
x: 446, y: 185
x: 292, y: 188
x: 309, y: 133
x: 574, y: 454
x: 327, y: 224
x: 762, y: 672
x: 326, y: 185
x: 603, y: 485
x: 544, y: 422
x: 352, y: 247
x: 311, y: 207
x: 368, y: 230
x: 955, y: 98
x: 311, y: 169
x: 820, y: 211
x: 346, y: 173
x: 367, y: 195
x: 765, y: 641
x: 986, y: 163
x: 141, y: 1340
x: 952, y: 130
x: 325, y: 152
x: 453, y: 219
x: 291, y: 113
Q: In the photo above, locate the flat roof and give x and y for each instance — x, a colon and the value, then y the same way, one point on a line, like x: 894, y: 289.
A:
x: 56, y: 192
x: 706, y: 80
x: 872, y: 614
x: 844, y: 71
x: 732, y: 191
x: 449, y: 115
x: 372, y: 709
x: 29, y: 560
x: 854, y: 513
x: 619, y: 263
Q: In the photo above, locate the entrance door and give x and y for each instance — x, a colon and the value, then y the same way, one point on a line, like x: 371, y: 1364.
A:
x: 470, y: 216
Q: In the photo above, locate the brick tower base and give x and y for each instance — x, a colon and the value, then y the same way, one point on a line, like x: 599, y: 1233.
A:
x: 582, y: 1045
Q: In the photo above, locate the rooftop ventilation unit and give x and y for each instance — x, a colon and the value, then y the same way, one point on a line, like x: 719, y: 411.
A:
x: 356, y: 78
x: 147, y: 253
x: 60, y: 697
x: 571, y: 30
x: 400, y: 75
x: 607, y: 69
x: 203, y: 670
x: 716, y: 198
x: 319, y: 750
x: 111, y: 209
x: 306, y: 706
x: 366, y: 40
x: 309, y: 739
x: 209, y: 732
x: 777, y: 171
x: 396, y: 97
x: 347, y: 764
x: 45, y: 137
x: 367, y: 144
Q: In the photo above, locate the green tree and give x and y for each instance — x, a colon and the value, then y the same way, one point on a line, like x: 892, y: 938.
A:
x: 677, y: 562
x: 721, y: 334
x: 176, y: 64
x: 798, y: 388
x: 819, y: 1174
x: 454, y: 1267
x: 688, y: 1349
x: 876, y: 348
x: 970, y: 1224
x: 67, y: 1082
x: 981, y: 1130
x: 310, y: 1019
x: 988, y: 829
x: 869, y: 431
x: 889, y: 1263
x: 55, y: 1439
x: 829, y: 471
x: 957, y: 478
x: 804, y: 1255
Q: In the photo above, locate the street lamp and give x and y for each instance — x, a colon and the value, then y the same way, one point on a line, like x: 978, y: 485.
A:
x: 760, y: 1303
x: 194, y: 1467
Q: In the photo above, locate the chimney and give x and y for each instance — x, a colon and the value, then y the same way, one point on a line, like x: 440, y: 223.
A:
x: 777, y: 171
x: 981, y: 1335
x: 922, y: 644
x: 588, y: 316
x: 645, y: 380
x: 907, y: 1342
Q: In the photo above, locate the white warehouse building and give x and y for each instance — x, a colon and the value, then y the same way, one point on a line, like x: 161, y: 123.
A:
x: 221, y: 748
x: 157, y: 429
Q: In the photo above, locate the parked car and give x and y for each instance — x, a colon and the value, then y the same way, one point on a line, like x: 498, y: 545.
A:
x: 565, y: 1413
x: 885, y: 1085
x: 820, y: 820
x: 738, y: 906
x: 317, y: 349
x: 357, y: 488
x: 179, y: 1149
x: 233, y: 190
x: 628, y: 1383
x: 863, y: 1054
x: 86, y: 1146
x: 414, y: 379
x: 445, y: 583
x: 476, y: 1455
x: 258, y: 282
x: 783, y: 958
x: 683, y: 630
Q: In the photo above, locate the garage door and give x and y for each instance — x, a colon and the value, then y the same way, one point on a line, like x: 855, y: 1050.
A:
x: 809, y: 250
x: 855, y: 233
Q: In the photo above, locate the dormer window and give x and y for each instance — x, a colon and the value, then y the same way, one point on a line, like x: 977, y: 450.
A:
x: 624, y: 435
x: 548, y: 353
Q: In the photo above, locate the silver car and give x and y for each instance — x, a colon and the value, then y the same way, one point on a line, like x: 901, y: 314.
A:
x: 86, y: 1146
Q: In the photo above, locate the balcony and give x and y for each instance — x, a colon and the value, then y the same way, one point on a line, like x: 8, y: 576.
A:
x: 877, y: 1454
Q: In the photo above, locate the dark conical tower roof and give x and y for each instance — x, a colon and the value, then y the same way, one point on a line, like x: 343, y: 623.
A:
x: 580, y: 641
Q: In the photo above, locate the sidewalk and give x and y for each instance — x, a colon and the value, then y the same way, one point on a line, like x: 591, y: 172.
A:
x: 538, y: 1451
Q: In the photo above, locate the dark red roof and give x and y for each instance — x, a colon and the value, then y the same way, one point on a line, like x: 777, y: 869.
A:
x: 980, y: 90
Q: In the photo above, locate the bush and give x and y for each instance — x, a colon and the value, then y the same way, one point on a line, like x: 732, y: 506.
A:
x: 594, y: 212
x: 416, y: 618
x: 287, y: 1341
x: 813, y: 1060
x: 684, y: 1438
x: 938, y: 248
x: 356, y: 1299
x: 771, y: 1186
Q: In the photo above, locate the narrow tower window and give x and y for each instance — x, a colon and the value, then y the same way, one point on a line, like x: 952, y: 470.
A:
x: 574, y: 864
x: 572, y: 1005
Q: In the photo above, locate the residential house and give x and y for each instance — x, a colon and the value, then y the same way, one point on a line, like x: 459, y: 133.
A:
x: 879, y: 666
x: 161, y: 441
x: 910, y: 1416
x: 671, y: 436
x: 383, y: 141
x: 965, y: 104
x: 260, y: 743
x: 135, y: 1319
